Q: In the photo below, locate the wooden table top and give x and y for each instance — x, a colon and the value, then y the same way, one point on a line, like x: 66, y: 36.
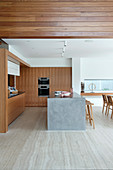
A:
x: 95, y: 94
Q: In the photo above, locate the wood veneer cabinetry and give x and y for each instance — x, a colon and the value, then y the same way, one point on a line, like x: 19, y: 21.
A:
x: 60, y: 79
x: 4, y: 53
x: 16, y: 105
x: 3, y: 91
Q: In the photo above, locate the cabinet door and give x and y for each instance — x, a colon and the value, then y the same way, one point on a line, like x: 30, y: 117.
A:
x: 13, y: 68
x: 16, y: 105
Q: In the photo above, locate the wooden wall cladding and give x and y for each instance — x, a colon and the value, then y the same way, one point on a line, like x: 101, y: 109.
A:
x: 56, y: 18
x: 60, y: 79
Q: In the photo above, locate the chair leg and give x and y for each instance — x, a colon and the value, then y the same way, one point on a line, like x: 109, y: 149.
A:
x: 112, y: 112
x: 89, y: 115
x: 103, y: 108
x: 86, y: 113
x: 106, y: 110
x: 92, y: 117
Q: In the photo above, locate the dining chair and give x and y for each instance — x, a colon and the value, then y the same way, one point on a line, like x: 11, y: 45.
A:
x: 110, y: 105
x: 105, y: 104
x: 89, y: 113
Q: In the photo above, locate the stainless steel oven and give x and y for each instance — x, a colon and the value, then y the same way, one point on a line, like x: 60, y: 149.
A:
x: 43, y: 90
x: 43, y: 80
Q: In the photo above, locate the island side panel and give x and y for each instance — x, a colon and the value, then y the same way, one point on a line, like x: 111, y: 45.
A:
x: 66, y: 114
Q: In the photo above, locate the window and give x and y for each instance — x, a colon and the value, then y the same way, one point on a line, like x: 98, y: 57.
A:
x: 98, y: 85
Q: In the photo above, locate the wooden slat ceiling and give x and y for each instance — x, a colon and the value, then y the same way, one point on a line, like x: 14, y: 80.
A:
x: 56, y: 19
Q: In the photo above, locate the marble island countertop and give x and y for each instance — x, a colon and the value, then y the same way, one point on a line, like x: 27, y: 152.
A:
x: 74, y: 95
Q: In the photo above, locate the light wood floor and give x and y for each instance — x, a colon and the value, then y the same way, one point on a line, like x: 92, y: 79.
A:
x: 28, y: 145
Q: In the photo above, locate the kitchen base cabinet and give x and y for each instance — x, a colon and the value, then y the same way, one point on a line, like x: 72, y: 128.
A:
x: 16, y: 106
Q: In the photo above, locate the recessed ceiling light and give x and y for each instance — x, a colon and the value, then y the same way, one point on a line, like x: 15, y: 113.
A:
x: 64, y: 49
x: 62, y: 54
x: 65, y: 43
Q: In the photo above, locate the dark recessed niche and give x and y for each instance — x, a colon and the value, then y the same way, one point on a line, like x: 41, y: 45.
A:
x: 3, y: 44
x: 10, y: 80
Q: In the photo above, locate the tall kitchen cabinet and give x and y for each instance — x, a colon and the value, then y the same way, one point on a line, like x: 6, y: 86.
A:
x: 60, y: 79
x: 3, y: 91
x: 4, y: 55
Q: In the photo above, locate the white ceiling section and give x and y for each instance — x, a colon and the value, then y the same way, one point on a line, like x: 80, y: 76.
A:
x: 53, y: 48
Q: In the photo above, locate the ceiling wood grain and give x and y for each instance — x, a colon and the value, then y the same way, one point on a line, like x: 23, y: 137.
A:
x: 56, y: 19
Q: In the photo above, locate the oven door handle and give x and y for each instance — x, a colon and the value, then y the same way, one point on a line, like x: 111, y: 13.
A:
x: 43, y: 88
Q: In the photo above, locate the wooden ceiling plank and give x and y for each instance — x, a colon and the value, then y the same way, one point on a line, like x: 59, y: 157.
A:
x: 55, y: 24
x: 50, y: 35
x: 48, y: 18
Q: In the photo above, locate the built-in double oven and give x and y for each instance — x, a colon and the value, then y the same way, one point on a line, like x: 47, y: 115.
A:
x: 43, y: 86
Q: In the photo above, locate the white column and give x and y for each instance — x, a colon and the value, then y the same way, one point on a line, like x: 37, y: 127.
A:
x: 76, y: 79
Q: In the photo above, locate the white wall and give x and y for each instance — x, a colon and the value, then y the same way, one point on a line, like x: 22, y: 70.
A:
x: 49, y: 62
x: 76, y: 82
x: 43, y: 62
x: 97, y: 68
x: 97, y: 100
x: 12, y: 50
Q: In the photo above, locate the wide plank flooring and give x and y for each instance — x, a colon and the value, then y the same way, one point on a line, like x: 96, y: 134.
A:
x: 29, y: 146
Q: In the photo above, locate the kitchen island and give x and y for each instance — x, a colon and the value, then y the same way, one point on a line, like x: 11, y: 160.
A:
x: 66, y: 113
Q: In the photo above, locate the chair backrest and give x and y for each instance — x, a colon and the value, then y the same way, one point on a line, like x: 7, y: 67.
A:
x: 104, y: 98
x: 110, y: 101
